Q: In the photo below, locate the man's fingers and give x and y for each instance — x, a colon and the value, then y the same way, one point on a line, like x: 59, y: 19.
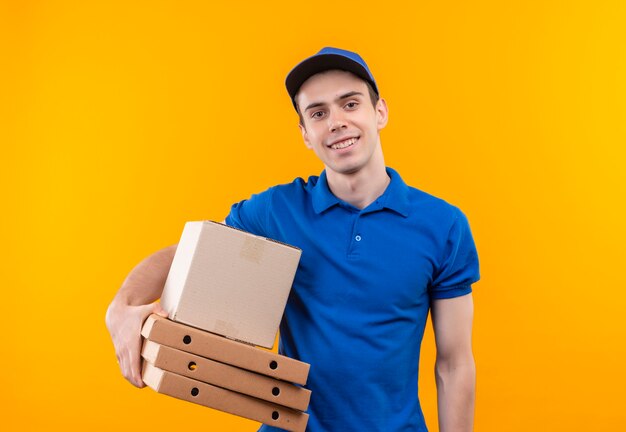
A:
x: 134, y: 352
x: 125, y: 324
x: 131, y: 368
x: 123, y: 363
x: 158, y: 309
x: 136, y: 375
x: 135, y: 364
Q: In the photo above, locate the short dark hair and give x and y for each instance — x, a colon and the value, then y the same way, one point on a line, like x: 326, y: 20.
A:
x: 370, y: 90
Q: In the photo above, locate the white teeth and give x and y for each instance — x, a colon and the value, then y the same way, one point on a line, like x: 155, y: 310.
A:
x: 343, y: 144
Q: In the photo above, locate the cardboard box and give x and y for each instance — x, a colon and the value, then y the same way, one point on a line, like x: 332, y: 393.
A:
x: 205, y: 344
x: 230, y: 282
x: 226, y: 376
x: 221, y: 399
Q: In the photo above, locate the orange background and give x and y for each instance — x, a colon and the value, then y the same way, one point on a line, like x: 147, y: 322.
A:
x: 119, y: 121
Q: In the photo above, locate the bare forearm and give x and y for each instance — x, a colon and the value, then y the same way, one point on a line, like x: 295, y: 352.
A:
x: 456, y: 390
x: 144, y: 284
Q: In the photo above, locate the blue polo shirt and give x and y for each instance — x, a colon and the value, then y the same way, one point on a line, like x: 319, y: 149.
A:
x: 361, y: 295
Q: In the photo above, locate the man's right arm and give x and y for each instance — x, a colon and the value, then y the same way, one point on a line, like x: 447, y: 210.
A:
x: 130, y: 307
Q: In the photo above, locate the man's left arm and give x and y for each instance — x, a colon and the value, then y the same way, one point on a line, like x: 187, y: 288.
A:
x: 455, y: 370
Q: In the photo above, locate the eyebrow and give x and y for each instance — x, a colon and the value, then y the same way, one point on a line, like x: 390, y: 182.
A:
x: 343, y: 96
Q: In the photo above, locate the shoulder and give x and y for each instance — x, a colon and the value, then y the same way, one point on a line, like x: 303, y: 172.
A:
x: 285, y: 190
x: 297, y: 188
x: 296, y: 185
x: 426, y: 205
x: 255, y: 214
x: 417, y: 204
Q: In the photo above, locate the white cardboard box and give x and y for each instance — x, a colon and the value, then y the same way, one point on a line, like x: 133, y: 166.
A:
x: 230, y: 282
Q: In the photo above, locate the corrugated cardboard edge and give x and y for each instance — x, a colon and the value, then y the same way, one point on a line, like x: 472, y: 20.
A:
x: 147, y: 325
x: 179, y: 269
x: 264, y: 238
x: 152, y: 376
x: 150, y: 351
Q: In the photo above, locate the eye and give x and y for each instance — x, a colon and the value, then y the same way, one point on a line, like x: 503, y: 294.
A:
x: 352, y: 105
x: 317, y: 114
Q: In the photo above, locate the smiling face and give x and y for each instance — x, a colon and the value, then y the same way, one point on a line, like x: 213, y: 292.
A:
x: 340, y: 124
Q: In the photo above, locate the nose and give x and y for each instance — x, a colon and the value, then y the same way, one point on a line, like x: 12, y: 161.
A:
x: 336, y: 121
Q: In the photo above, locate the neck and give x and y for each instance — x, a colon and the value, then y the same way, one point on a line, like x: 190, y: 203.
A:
x: 363, y: 187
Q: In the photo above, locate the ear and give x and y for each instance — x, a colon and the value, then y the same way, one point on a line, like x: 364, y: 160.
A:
x: 382, y: 113
x: 305, y: 136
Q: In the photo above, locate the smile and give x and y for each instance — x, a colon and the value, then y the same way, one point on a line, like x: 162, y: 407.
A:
x: 343, y: 144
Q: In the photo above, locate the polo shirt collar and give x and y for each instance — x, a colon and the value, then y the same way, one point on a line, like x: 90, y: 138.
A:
x: 395, y: 197
x: 323, y: 198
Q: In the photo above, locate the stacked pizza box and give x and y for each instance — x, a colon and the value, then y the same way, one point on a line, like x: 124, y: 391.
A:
x: 225, y: 295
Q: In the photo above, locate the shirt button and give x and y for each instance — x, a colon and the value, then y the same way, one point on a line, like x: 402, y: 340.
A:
x: 358, y: 238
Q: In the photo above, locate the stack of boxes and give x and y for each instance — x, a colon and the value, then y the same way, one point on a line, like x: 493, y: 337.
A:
x: 225, y: 295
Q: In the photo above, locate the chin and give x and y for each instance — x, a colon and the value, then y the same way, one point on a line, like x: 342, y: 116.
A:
x: 346, y: 169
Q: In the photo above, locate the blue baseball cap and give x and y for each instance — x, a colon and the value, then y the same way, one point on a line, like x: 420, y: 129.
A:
x: 326, y: 59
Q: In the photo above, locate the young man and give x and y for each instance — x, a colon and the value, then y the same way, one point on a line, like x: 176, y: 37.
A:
x: 377, y: 255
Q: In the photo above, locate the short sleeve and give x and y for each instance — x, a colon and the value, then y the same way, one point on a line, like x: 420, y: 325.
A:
x: 459, y: 268
x: 252, y: 215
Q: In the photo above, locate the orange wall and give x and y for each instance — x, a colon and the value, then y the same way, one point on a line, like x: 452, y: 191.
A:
x: 119, y: 121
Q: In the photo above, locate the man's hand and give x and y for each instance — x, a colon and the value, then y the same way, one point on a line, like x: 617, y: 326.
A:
x: 132, y: 304
x: 124, y: 323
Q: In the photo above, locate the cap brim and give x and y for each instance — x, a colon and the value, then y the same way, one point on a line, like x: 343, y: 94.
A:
x: 320, y: 63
